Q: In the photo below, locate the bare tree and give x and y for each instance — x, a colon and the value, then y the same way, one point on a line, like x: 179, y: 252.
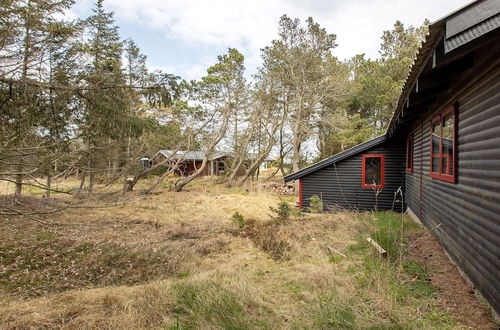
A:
x: 220, y: 95
x: 300, y: 60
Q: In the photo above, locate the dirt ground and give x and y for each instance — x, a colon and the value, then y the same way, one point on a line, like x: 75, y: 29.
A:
x: 454, y: 294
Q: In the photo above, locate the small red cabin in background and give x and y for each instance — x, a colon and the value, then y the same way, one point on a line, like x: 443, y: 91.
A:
x: 191, y: 161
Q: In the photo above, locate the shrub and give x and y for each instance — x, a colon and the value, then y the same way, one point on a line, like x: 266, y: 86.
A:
x: 238, y: 220
x: 316, y: 204
x: 282, y: 212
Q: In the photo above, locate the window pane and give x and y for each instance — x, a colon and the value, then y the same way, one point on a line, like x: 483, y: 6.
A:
x: 435, y: 137
x: 436, y: 132
x: 447, y: 144
x: 435, y: 164
x: 373, y: 171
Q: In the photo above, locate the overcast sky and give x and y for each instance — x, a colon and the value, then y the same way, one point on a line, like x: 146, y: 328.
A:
x: 184, y: 37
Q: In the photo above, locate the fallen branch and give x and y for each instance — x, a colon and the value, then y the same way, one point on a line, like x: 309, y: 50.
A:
x: 337, y: 252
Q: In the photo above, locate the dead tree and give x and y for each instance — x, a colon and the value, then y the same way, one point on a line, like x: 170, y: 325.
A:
x: 214, y: 140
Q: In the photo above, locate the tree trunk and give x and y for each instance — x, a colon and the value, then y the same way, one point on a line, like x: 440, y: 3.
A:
x: 129, y: 185
x: 49, y: 183
x: 82, y: 182
x: 235, y: 171
x: 91, y: 176
x: 91, y: 182
x: 185, y: 181
x: 273, y: 174
x: 255, y: 165
x: 295, y: 156
x: 155, y: 185
x: 19, y: 183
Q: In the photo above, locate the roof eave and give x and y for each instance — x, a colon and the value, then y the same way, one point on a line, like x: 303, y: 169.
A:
x: 336, y: 158
x: 423, y: 55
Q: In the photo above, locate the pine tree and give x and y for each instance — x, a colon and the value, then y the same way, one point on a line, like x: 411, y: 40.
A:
x: 25, y: 43
x: 59, y: 106
x: 379, y: 81
x: 105, y: 104
x: 299, y: 58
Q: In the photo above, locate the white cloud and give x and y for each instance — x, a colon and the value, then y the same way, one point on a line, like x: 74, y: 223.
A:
x: 251, y: 25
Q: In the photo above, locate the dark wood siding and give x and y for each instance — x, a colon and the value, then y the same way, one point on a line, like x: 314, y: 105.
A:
x: 465, y: 217
x: 339, y: 185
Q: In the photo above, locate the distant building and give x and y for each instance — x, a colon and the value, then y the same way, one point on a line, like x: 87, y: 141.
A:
x: 217, y: 165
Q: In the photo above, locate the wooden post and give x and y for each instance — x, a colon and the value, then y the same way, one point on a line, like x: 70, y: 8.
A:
x: 381, y: 251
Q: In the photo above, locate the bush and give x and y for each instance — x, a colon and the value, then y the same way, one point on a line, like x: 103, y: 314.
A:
x: 282, y: 212
x: 316, y: 204
x: 238, y: 220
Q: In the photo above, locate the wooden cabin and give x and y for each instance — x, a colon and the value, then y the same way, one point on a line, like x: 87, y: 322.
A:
x: 193, y: 160
x: 440, y: 156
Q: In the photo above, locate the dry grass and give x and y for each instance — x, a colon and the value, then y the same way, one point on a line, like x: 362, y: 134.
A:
x: 176, y: 260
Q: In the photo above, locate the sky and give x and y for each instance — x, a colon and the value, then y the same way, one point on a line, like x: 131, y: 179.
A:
x: 184, y: 37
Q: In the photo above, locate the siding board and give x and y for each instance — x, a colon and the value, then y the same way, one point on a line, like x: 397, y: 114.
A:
x: 339, y: 184
x: 468, y: 211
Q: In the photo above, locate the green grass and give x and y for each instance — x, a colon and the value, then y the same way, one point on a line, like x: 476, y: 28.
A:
x: 390, y: 230
x: 405, y: 281
x: 330, y: 312
x: 419, y: 285
x: 216, y: 304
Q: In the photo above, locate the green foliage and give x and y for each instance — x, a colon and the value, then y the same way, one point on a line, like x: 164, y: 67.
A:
x: 378, y: 82
x: 238, y: 220
x: 341, y: 131
x: 104, y: 113
x: 183, y: 274
x: 281, y: 212
x: 316, y: 204
x: 297, y: 63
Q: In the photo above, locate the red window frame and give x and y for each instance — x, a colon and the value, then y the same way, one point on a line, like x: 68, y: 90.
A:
x: 363, y: 171
x: 409, y: 153
x: 451, y: 162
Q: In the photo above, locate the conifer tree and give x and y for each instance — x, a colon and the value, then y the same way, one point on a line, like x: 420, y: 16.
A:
x: 105, y: 104
x: 25, y: 47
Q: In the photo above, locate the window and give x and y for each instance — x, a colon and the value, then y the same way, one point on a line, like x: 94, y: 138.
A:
x: 372, y: 168
x: 442, y: 146
x: 409, y: 154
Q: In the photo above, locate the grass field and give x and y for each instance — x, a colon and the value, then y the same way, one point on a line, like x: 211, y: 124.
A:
x: 182, y: 261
